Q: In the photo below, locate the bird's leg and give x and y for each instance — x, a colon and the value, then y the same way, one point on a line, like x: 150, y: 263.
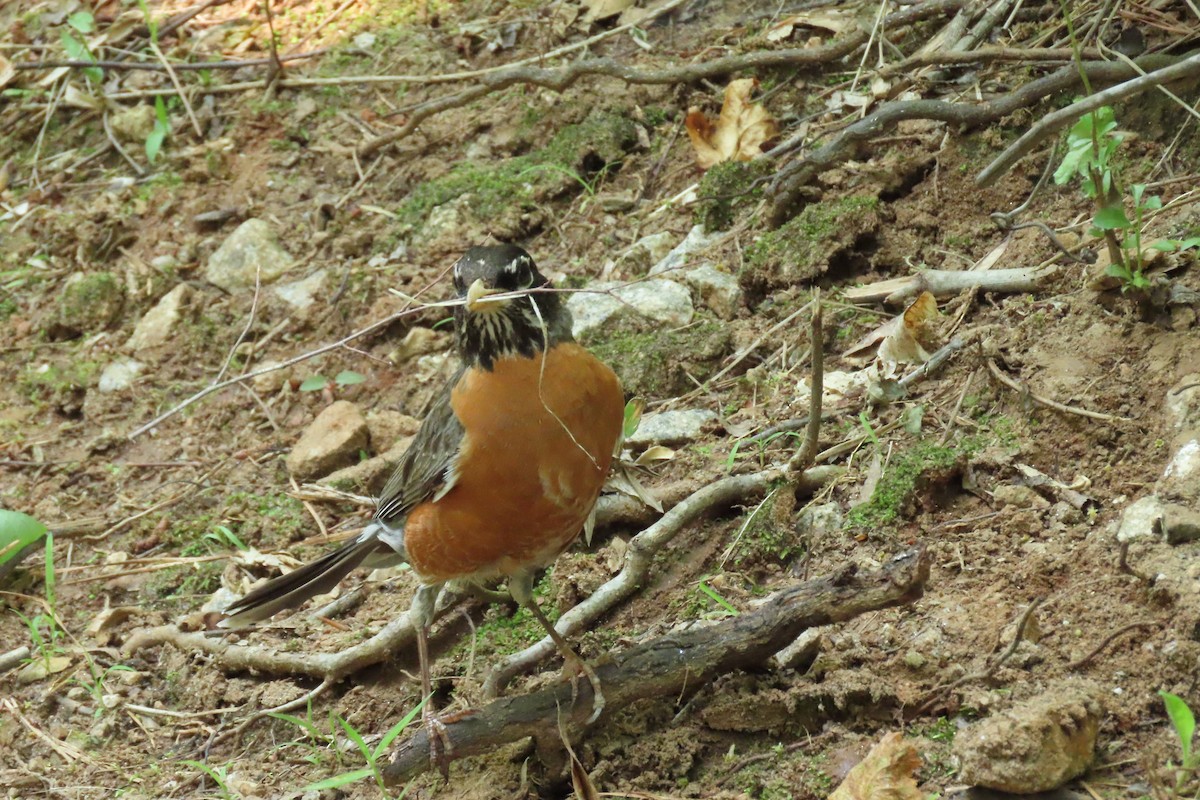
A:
x: 421, y: 616
x: 521, y: 588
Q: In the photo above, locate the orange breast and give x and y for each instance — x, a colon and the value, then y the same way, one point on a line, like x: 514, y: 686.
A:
x: 538, y: 448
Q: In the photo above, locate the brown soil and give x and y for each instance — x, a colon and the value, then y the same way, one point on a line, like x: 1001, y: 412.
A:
x: 137, y: 519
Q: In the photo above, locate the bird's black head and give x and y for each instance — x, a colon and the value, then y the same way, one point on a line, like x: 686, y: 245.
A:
x: 491, y: 328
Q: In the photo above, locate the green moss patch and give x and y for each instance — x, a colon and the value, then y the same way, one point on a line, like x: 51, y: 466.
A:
x: 656, y: 363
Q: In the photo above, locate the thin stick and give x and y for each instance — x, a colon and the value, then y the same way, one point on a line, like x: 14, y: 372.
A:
x: 804, y: 457
x: 216, y: 387
x: 1133, y: 626
x: 147, y: 66
x: 1045, y: 401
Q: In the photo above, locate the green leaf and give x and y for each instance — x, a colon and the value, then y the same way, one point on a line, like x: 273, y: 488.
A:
x: 18, y: 532
x: 398, y: 728
x: 82, y: 21
x: 718, y: 599
x: 51, y: 598
x: 78, y: 51
x: 339, y: 780
x: 1111, y: 218
x: 162, y: 126
x: 348, y: 378
x: 358, y: 740
x: 314, y: 384
x: 302, y: 724
x: 633, y: 416
x: 151, y: 23
x: 1188, y: 244
x: 1183, y: 721
x: 1165, y: 245
x: 1153, y: 203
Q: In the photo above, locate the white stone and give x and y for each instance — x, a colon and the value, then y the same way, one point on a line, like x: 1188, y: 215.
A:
x: 717, y: 290
x: 695, y: 241
x: 251, y: 249
x: 302, y: 294
x: 1140, y: 521
x: 659, y: 300
x: 119, y: 375
x: 157, y: 325
x: 670, y: 427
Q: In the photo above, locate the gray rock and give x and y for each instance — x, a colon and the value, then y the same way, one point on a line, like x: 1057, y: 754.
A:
x: 820, y: 521
x: 670, y: 427
x: 1035, y: 746
x: 1183, y: 403
x: 1181, y: 479
x: 133, y: 123
x: 646, y: 251
x: 300, y: 295
x: 270, y: 382
x: 717, y: 290
x: 157, y: 325
x: 695, y: 241
x: 1018, y: 496
x: 1140, y: 521
x: 90, y: 301
x: 119, y: 375
x: 252, y: 248
x: 1180, y: 523
x: 659, y: 300
x: 333, y: 440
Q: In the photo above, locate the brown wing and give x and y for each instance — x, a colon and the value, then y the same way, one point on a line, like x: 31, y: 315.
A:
x: 426, y: 468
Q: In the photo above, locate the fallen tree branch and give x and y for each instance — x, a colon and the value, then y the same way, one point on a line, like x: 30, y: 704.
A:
x: 562, y: 78
x: 1055, y: 121
x: 668, y: 665
x: 638, y: 559
x: 792, y: 182
x: 945, y: 282
x: 154, y: 66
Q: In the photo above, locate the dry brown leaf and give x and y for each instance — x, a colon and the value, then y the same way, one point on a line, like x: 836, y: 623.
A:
x: 885, y: 774
x: 738, y: 134
x: 7, y: 71
x: 655, y: 453
x: 897, y: 338
x: 603, y: 9
x: 830, y: 20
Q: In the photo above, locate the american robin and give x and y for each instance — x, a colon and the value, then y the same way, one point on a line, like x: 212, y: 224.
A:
x: 504, y: 472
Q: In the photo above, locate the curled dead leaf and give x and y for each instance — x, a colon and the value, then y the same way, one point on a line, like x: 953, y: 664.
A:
x: 603, y: 9
x: 887, y: 773
x: 655, y: 453
x: 7, y: 71
x: 897, y: 338
x: 738, y: 134
x: 832, y: 20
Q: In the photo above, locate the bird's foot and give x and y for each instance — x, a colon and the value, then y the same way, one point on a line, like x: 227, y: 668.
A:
x: 441, y: 751
x: 574, y: 666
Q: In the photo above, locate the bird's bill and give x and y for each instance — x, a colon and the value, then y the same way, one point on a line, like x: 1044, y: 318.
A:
x: 477, y: 294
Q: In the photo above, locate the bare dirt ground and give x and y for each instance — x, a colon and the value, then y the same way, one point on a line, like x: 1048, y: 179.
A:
x: 148, y: 529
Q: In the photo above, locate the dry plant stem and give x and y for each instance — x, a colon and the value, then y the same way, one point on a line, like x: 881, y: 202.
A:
x: 1098, y: 649
x: 559, y: 79
x: 677, y: 662
x: 1047, y: 402
x: 13, y: 658
x: 216, y: 387
x: 807, y: 454
x: 163, y: 66
x: 791, y: 182
x: 943, y: 283
x: 994, y: 665
x: 1057, y: 120
x: 985, y: 55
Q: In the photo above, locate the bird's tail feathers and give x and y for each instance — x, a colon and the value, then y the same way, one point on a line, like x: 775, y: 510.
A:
x: 314, y: 578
